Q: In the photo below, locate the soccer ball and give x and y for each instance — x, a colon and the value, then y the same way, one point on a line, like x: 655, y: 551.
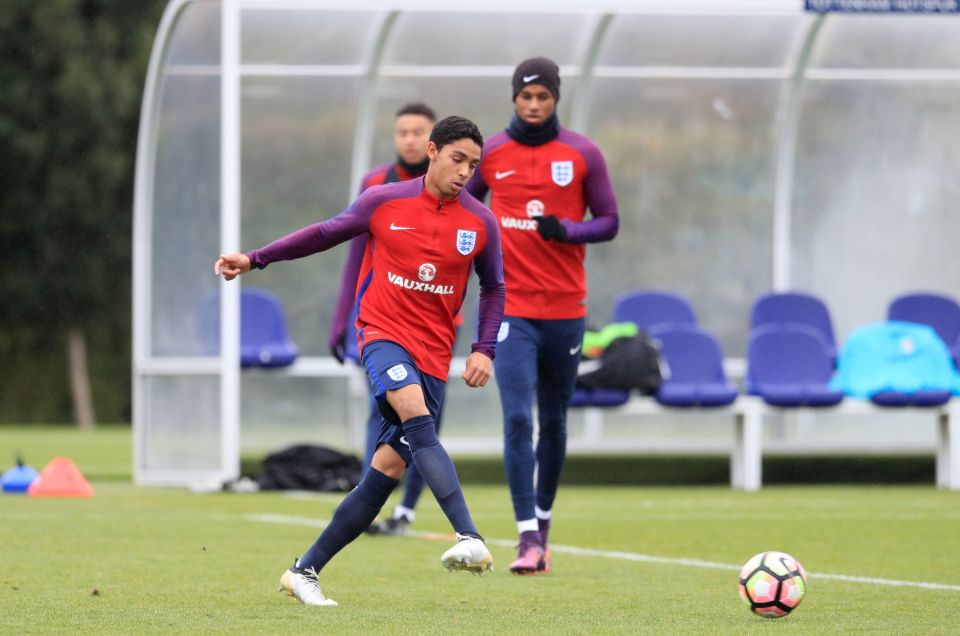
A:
x: 772, y: 584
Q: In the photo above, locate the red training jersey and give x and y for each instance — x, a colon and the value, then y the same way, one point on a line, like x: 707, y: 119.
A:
x: 563, y: 177
x: 416, y: 265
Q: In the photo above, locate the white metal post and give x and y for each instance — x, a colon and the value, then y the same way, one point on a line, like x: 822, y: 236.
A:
x: 142, y: 240
x: 230, y: 239
x: 791, y: 100
x: 746, y: 460
x: 948, y: 447
x: 592, y: 424
x: 367, y: 101
x: 580, y: 112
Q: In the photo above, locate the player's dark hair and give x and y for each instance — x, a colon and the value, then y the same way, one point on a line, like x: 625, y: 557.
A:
x: 417, y: 108
x: 453, y: 128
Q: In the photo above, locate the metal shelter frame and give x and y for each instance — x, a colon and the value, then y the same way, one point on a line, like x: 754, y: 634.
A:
x: 601, y: 15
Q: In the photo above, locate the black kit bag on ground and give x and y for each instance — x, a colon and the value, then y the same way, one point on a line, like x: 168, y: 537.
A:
x: 309, y: 467
x: 627, y: 363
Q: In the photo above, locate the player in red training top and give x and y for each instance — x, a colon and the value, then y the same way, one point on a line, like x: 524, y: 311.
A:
x: 542, y: 178
x: 423, y: 238
x: 411, y: 135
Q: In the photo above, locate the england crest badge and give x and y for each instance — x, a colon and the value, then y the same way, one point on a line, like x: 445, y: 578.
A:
x: 466, y: 241
x: 562, y: 172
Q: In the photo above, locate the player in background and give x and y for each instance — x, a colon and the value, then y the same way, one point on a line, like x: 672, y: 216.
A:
x: 541, y: 178
x: 411, y: 135
x: 423, y: 238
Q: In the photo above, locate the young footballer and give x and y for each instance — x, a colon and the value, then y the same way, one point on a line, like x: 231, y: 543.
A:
x: 542, y: 179
x: 423, y: 238
x: 411, y: 135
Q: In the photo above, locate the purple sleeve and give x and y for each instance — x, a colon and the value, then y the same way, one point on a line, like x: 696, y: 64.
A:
x: 348, y: 290
x: 600, y: 199
x: 493, y: 291
x: 477, y: 187
x: 318, y: 237
x: 348, y: 277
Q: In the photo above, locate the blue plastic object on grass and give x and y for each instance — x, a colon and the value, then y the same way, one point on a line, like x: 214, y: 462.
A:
x: 18, y: 478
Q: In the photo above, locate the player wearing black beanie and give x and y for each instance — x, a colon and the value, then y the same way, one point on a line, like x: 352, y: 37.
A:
x: 543, y: 178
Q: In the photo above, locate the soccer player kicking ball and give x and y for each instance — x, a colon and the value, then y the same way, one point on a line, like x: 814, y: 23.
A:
x: 423, y: 237
x: 411, y: 136
x: 542, y: 178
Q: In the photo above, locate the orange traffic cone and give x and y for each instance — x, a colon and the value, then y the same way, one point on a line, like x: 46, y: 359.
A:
x: 60, y: 478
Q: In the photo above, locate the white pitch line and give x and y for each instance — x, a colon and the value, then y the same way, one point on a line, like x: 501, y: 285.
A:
x: 626, y: 556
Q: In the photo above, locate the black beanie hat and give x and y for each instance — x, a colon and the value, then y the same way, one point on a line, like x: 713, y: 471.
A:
x: 537, y: 70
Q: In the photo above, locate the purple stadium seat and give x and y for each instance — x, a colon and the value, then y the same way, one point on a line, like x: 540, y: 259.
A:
x: 917, y: 398
x: 648, y: 308
x: 696, y: 376
x: 795, y: 308
x: 263, y: 329
x: 935, y: 310
x: 645, y: 309
x: 583, y: 396
x: 789, y: 365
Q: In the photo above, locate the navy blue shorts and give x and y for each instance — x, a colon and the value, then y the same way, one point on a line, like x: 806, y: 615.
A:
x: 389, y: 366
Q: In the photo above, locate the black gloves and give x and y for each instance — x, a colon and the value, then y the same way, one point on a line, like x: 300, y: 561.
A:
x: 550, y: 228
x: 338, y: 347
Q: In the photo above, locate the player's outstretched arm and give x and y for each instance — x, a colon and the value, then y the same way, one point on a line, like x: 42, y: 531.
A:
x: 231, y: 265
x: 477, y: 370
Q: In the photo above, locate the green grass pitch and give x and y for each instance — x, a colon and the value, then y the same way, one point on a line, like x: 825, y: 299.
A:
x: 138, y: 560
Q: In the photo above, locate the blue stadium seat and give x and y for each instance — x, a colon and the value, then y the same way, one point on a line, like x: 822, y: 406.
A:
x: 263, y: 329
x: 649, y: 308
x: 645, y: 309
x: 795, y: 308
x: 917, y: 398
x: 583, y: 397
x: 935, y: 310
x: 696, y: 375
x: 790, y: 365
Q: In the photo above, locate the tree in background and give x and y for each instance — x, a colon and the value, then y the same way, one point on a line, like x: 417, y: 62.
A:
x: 71, y: 77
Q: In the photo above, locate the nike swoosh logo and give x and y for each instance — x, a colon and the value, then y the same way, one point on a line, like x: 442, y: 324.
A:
x: 400, y: 227
x: 530, y: 78
x: 574, y: 351
x: 504, y: 175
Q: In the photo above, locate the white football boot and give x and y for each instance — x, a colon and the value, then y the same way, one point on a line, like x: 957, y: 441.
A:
x: 303, y: 585
x: 470, y: 553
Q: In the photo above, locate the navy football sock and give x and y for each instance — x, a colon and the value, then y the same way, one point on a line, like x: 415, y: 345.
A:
x: 353, y: 515
x: 438, y: 471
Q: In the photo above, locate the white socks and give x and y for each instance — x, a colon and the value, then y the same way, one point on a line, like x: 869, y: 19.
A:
x: 399, y: 511
x: 528, y: 525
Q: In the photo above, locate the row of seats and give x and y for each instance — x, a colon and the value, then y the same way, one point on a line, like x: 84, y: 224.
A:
x: 791, y: 354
